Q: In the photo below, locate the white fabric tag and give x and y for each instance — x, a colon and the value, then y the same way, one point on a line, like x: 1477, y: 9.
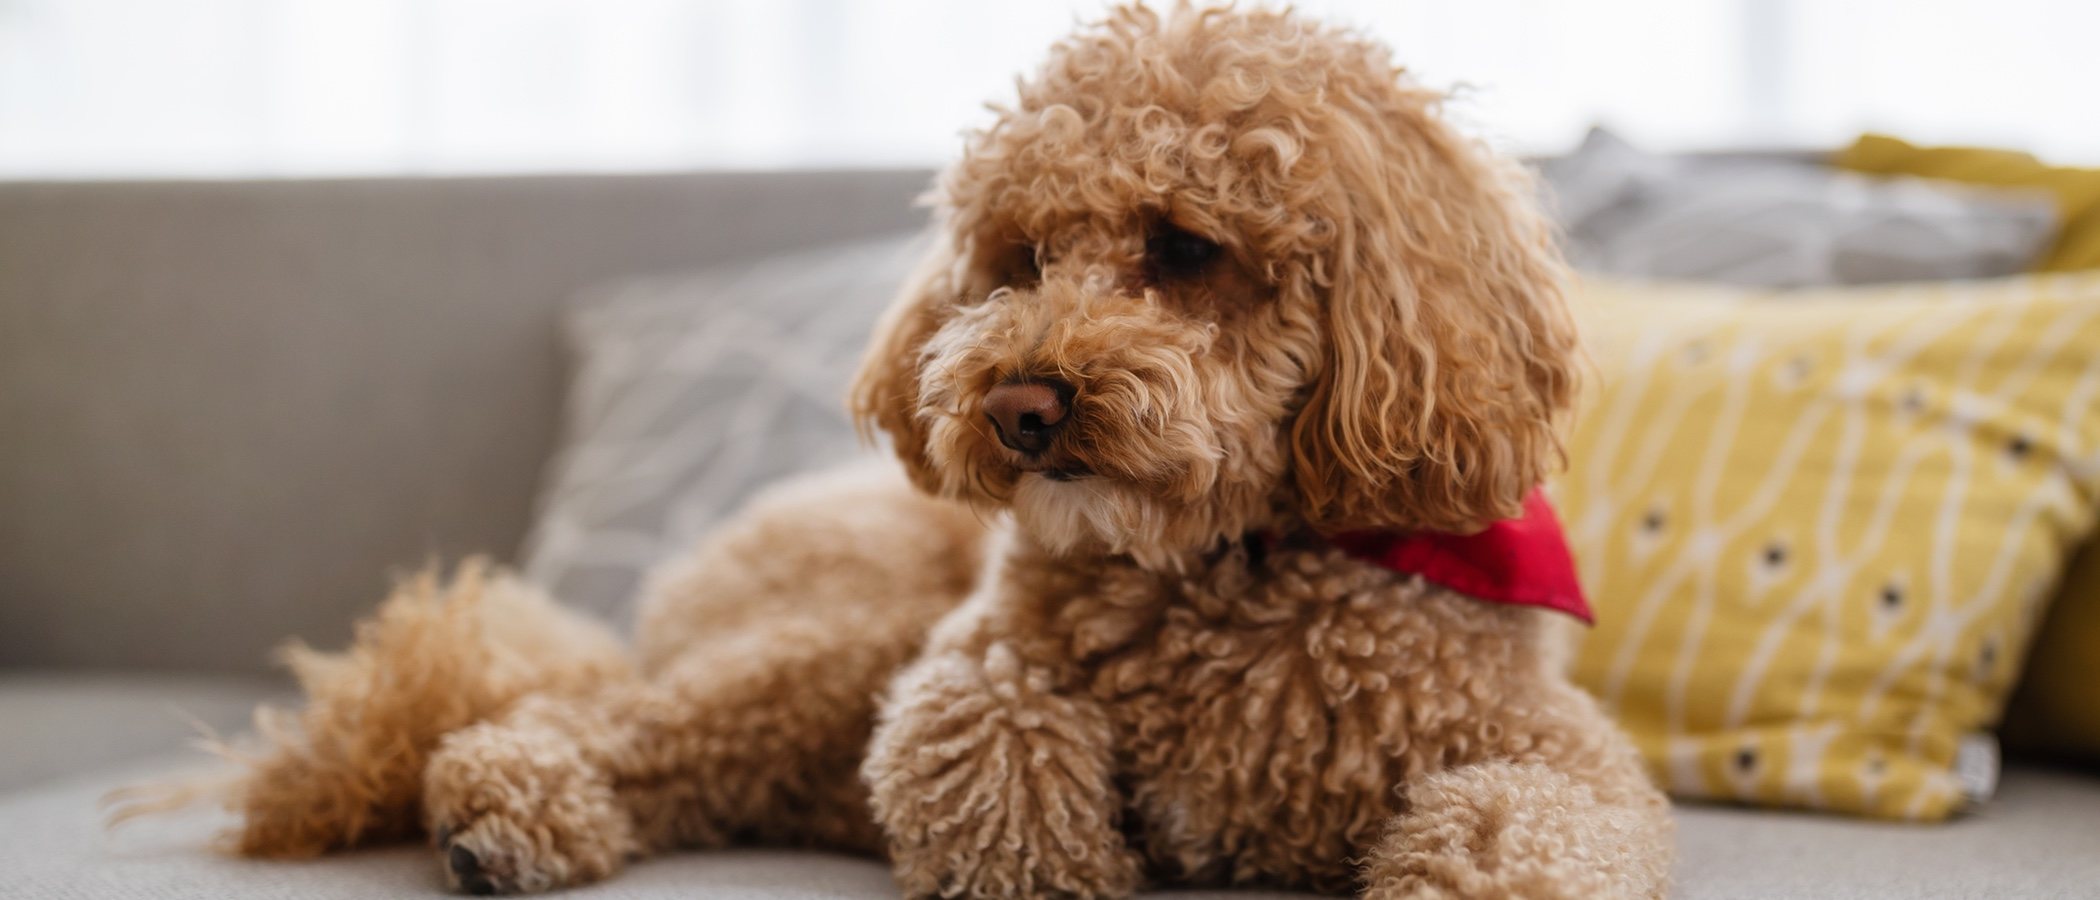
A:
x: 1976, y: 766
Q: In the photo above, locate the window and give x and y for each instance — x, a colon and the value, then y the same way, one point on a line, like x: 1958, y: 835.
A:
x: 118, y: 88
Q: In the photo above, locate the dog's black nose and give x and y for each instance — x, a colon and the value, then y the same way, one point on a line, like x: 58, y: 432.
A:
x: 1027, y: 413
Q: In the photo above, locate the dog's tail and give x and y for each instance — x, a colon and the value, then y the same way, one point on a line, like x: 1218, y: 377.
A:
x: 347, y: 769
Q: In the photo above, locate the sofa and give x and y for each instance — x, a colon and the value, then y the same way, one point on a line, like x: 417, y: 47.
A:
x: 229, y: 412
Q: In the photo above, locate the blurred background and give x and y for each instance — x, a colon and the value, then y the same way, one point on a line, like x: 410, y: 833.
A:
x: 143, y: 88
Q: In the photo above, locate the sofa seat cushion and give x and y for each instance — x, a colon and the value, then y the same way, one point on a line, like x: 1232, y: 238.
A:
x: 53, y: 845
x: 2034, y: 840
x: 64, y: 723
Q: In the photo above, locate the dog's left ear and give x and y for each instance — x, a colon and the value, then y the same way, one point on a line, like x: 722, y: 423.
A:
x: 1450, y: 354
x: 885, y: 392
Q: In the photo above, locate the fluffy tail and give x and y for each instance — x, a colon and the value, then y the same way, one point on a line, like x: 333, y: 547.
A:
x: 347, y: 770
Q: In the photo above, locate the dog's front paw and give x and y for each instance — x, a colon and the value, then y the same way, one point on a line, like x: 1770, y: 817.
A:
x: 519, y: 810
x: 1502, y: 829
x: 989, y: 788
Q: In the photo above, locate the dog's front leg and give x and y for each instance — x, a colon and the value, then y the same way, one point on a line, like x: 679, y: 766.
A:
x: 1573, y: 815
x: 754, y: 737
x: 990, y: 783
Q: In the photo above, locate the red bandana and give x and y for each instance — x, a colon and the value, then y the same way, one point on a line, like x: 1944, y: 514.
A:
x: 1524, y: 561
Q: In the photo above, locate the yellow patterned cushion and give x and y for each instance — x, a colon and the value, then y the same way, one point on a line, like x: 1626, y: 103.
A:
x: 1818, y: 527
x: 2057, y: 709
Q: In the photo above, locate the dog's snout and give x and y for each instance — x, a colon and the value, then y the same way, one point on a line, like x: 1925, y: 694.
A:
x: 1027, y: 413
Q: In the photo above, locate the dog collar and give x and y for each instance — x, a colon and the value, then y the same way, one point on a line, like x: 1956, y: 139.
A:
x: 1522, y: 561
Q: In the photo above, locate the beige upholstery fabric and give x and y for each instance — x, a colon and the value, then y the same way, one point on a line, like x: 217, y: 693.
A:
x: 2035, y: 839
x: 2036, y: 842
x: 58, y: 725
x: 227, y: 410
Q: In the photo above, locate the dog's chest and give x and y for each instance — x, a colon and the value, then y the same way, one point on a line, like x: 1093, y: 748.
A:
x: 1267, y: 725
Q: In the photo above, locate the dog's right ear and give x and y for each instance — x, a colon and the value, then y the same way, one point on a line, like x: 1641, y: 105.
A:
x: 885, y: 392
x: 1452, y: 358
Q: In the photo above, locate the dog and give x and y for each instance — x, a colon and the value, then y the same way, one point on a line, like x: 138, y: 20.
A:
x: 1222, y: 320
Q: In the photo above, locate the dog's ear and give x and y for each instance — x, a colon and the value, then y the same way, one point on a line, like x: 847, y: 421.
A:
x: 885, y: 392
x: 1450, y: 355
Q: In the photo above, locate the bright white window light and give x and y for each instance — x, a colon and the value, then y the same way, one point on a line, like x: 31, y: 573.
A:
x: 124, y: 88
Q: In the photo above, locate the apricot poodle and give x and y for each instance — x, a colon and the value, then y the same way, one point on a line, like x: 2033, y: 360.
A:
x: 1218, y: 303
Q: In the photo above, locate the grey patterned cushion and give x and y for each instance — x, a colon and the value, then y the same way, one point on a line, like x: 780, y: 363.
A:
x: 692, y: 392
x: 1781, y: 223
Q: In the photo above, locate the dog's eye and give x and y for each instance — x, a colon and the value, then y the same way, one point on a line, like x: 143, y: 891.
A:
x: 1174, y: 253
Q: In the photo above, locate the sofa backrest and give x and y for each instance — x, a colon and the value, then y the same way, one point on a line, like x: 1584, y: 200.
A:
x: 229, y: 411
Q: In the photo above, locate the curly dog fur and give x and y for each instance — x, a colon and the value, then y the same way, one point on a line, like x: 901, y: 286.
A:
x: 1285, y: 299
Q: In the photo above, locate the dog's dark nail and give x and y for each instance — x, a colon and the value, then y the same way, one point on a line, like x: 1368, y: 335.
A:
x: 467, y: 867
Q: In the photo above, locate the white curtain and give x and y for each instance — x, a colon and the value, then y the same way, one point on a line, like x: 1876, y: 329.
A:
x: 118, y: 88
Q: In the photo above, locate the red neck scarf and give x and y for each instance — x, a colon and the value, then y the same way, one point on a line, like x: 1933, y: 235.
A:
x: 1523, y: 561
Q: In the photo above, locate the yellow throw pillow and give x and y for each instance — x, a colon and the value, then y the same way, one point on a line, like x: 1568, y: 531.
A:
x: 2077, y: 191
x: 1818, y: 527
x: 2057, y: 709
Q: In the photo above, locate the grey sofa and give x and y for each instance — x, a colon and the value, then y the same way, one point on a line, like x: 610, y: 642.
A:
x: 229, y: 410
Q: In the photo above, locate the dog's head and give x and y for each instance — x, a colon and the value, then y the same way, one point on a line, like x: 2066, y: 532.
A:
x: 1219, y: 271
